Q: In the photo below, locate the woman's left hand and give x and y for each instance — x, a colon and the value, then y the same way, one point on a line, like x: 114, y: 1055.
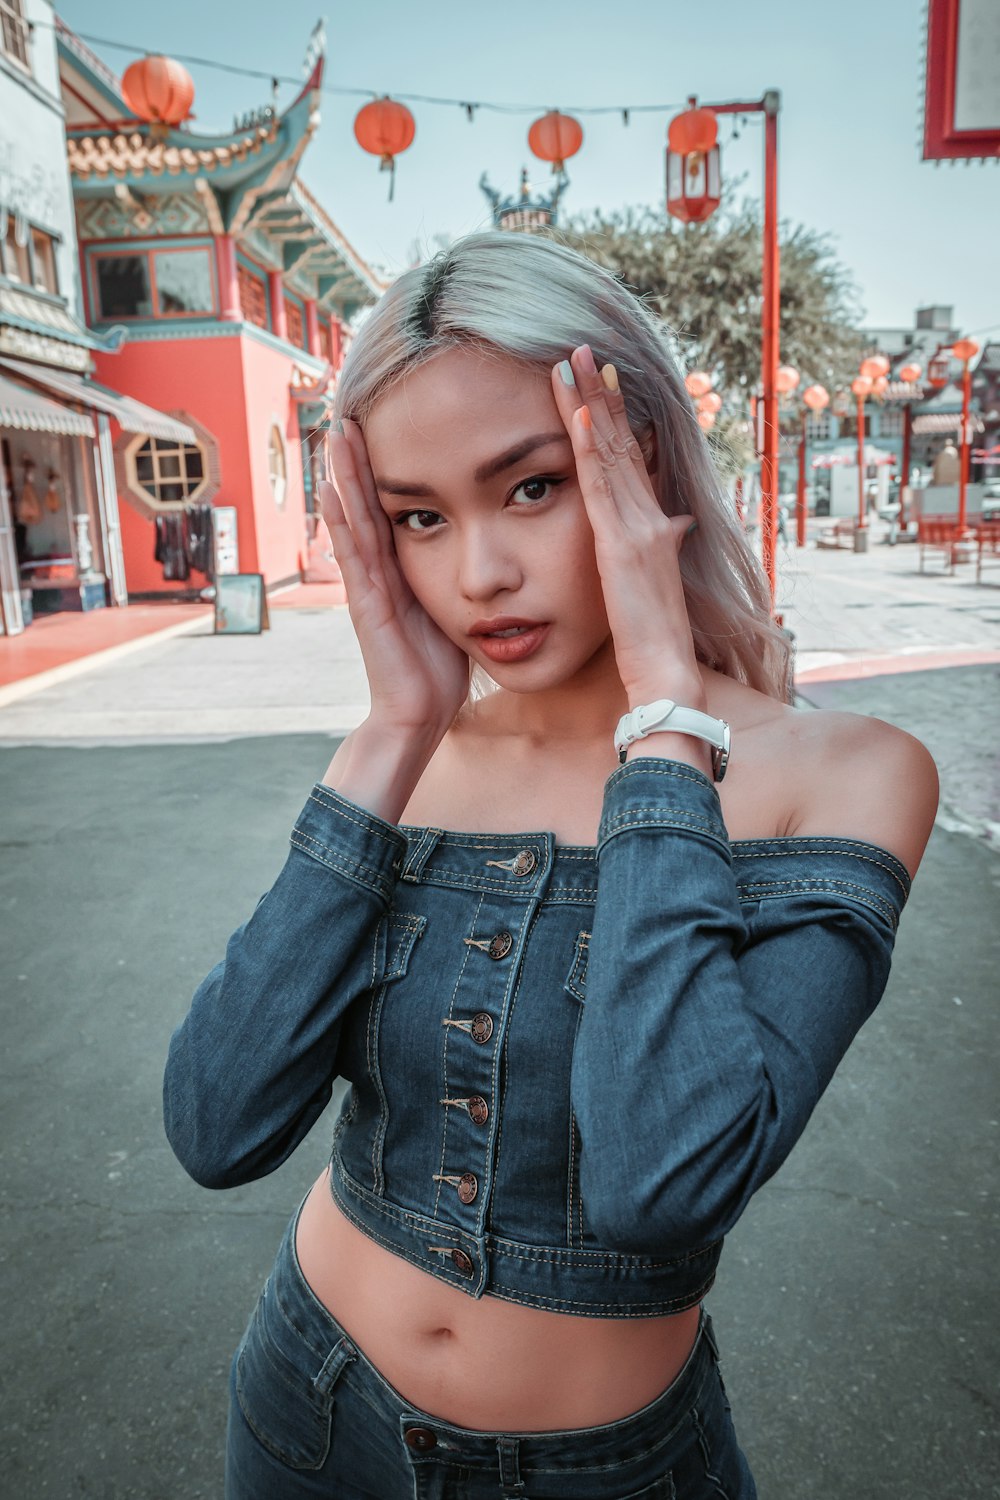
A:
x: 637, y: 545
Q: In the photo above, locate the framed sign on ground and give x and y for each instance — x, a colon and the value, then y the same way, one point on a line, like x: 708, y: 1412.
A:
x: 240, y: 604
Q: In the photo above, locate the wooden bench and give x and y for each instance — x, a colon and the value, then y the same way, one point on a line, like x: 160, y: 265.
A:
x: 938, y: 534
x: 840, y: 534
x: 987, y: 546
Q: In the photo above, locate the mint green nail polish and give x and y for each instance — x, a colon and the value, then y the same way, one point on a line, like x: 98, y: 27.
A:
x: 338, y: 426
x: 566, y: 371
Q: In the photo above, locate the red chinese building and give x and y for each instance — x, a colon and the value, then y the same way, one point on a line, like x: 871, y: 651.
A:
x: 236, y: 291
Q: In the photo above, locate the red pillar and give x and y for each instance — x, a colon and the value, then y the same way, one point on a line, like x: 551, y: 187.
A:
x: 770, y: 342
x: 279, y: 316
x: 230, y: 310
x: 963, y: 462
x: 312, y: 329
x: 336, y: 342
x: 800, y: 498
x: 862, y: 476
x: 904, y: 481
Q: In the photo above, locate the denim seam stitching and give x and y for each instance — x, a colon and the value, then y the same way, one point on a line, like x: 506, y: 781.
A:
x: 859, y: 893
x: 352, y: 869
x: 444, y: 1059
x: 365, y: 824
x: 850, y: 855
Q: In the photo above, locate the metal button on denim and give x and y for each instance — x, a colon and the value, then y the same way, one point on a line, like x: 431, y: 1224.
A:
x: 482, y: 1027
x: 468, y: 1187
x: 525, y: 862
x: 420, y: 1438
x: 462, y: 1263
x: 500, y: 945
x: 478, y: 1109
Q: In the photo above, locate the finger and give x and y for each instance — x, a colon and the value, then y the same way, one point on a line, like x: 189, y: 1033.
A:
x: 366, y: 479
x: 369, y: 524
x: 615, y: 402
x: 613, y: 439
x: 352, y: 499
x: 599, y: 495
x: 355, y: 574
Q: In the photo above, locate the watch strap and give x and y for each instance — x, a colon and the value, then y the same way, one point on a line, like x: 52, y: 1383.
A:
x: 664, y: 713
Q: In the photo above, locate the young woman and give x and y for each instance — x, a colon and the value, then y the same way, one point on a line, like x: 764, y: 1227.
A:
x: 586, y: 991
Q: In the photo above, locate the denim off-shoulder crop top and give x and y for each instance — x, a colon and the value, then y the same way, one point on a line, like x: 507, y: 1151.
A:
x: 571, y: 1067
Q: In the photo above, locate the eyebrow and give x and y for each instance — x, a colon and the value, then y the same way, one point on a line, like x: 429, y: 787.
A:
x: 488, y: 470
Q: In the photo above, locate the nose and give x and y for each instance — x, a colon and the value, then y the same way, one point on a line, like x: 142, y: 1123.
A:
x: 487, y: 565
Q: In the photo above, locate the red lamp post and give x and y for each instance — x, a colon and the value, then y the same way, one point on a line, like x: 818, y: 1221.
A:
x: 814, y: 398
x: 910, y: 374
x: 769, y: 106
x: 965, y: 350
x: 872, y: 381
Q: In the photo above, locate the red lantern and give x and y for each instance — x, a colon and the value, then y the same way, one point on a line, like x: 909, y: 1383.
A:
x: 965, y: 350
x: 694, y: 130
x: 694, y: 185
x: 706, y: 420
x: 939, y: 371
x: 711, y: 401
x: 910, y: 373
x: 786, y: 380
x: 874, y: 366
x: 158, y: 90
x: 385, y: 128
x: 816, y: 397
x: 555, y: 137
x: 862, y: 386
x: 698, y: 383
x: 880, y: 385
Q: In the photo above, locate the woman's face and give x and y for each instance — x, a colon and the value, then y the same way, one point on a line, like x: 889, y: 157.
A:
x: 475, y: 471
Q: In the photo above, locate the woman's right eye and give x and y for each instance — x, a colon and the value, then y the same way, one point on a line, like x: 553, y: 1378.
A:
x: 417, y: 517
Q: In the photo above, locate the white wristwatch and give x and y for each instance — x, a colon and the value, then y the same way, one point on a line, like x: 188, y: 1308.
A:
x: 666, y: 714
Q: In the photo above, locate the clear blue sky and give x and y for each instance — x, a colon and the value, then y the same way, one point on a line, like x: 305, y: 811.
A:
x: 850, y: 75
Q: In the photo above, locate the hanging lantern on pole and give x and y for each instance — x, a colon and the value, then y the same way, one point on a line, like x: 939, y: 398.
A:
x: 711, y: 401
x: 555, y: 137
x: 706, y: 420
x: 694, y: 179
x: 385, y: 128
x: 875, y: 366
x: 939, y: 371
x: 159, y: 91
x: 816, y: 397
x: 910, y: 373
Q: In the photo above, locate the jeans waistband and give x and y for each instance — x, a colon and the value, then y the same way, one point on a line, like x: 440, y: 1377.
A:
x: 610, y: 1442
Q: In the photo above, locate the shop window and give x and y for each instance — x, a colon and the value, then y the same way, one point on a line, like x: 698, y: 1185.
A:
x: 168, y: 473
x: 183, y: 282
x: 890, y: 421
x: 253, y: 297
x: 296, y: 330
x: 819, y: 426
x: 276, y: 465
x: 16, y: 258
x: 14, y: 31
x: 123, y: 286
x: 43, y: 262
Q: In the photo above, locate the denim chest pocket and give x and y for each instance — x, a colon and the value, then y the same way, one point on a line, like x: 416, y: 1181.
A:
x: 286, y: 1388
x: 395, y: 939
x: 576, y: 979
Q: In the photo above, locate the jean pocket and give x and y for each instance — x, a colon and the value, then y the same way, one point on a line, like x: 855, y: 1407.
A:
x: 285, y: 1388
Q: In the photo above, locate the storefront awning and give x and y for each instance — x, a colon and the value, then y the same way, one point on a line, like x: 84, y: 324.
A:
x: 132, y: 415
x: 27, y: 411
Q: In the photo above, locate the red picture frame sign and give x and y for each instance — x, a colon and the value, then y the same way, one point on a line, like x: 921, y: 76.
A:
x: 961, y: 98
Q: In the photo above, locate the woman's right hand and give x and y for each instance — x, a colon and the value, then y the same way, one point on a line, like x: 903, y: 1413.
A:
x: 417, y: 677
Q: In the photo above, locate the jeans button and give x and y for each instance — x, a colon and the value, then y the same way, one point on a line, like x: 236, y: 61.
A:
x: 462, y: 1263
x: 478, y: 1109
x: 468, y: 1187
x: 482, y: 1027
x: 420, y: 1438
x: 500, y: 945
x: 525, y: 862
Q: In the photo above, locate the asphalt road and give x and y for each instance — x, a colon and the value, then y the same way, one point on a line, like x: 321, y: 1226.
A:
x: 857, y: 1300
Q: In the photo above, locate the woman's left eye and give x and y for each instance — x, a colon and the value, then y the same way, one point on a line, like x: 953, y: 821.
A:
x: 537, y: 481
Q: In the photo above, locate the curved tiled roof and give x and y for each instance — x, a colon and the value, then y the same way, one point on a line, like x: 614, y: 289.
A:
x: 136, y: 155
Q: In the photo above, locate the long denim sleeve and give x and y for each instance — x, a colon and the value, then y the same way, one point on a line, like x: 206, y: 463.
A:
x: 710, y: 1031
x: 251, y: 1067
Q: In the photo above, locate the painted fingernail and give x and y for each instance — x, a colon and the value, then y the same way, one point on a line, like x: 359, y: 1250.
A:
x: 585, y: 416
x: 587, y: 359
x: 610, y: 377
x: 692, y: 527
x: 338, y: 426
x: 566, y: 371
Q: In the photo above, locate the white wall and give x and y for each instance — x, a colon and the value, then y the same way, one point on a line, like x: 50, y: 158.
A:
x: 34, y: 177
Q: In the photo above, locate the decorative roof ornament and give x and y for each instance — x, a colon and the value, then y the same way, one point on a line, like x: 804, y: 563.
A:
x: 525, y: 212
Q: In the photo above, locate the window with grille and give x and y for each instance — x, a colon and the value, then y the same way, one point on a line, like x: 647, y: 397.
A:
x: 819, y: 425
x: 890, y: 421
x: 168, y: 473
x: 43, y: 262
x: 253, y: 297
x: 296, y: 329
x: 16, y: 256
x: 14, y: 32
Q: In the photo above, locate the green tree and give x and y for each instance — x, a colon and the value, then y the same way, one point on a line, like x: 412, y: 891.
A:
x: 704, y: 281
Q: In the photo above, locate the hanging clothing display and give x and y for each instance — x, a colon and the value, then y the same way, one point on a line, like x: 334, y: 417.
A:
x: 170, y: 546
x: 200, y: 538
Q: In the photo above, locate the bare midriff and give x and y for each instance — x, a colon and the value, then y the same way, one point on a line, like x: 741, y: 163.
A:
x: 483, y: 1363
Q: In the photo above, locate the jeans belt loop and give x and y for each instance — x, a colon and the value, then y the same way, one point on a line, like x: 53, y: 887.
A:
x: 511, y: 1482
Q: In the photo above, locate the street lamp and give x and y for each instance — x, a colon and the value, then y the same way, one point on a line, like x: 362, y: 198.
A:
x: 909, y: 374
x: 872, y: 381
x: 965, y: 350
x: 814, y: 398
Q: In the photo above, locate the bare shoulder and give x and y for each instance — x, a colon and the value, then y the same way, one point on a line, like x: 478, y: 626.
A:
x: 866, y: 779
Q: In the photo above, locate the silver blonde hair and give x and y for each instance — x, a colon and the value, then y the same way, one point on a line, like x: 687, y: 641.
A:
x: 530, y: 299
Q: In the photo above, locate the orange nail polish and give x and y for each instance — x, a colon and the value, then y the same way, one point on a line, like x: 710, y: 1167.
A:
x: 585, y: 416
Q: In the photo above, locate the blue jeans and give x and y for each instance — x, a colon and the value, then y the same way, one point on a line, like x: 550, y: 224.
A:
x: 310, y: 1416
